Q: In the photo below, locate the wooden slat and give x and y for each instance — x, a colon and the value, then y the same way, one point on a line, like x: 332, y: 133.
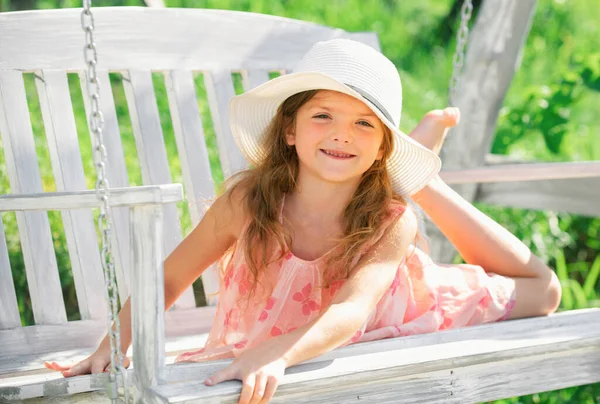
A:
x: 80, y: 232
x: 9, y: 309
x: 24, y: 177
x: 523, y: 172
x: 477, y: 363
x: 193, y: 155
x: 253, y: 78
x: 148, y: 297
x: 152, y: 156
x: 572, y: 196
x: 116, y: 173
x: 68, y: 341
x: 48, y: 39
x: 144, y: 195
x: 219, y: 90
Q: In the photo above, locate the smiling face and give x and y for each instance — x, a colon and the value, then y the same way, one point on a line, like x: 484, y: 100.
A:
x: 336, y: 136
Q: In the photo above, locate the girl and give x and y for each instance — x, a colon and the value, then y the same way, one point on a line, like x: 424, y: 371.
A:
x: 317, y: 241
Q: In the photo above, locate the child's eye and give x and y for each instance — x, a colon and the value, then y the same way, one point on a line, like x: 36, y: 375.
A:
x: 365, y: 123
x: 321, y: 116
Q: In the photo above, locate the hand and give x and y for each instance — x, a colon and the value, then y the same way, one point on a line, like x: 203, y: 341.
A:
x: 260, y: 371
x: 98, y: 362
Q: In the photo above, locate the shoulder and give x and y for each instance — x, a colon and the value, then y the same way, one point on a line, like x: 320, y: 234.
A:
x: 230, y: 210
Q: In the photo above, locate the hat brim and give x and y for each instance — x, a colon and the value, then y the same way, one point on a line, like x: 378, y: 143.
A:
x: 410, y: 165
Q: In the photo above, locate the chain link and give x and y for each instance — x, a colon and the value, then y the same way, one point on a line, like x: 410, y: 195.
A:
x: 462, y: 37
x: 96, y: 121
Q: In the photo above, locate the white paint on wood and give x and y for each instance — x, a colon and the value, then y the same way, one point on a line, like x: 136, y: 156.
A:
x: 523, y: 172
x: 65, y: 156
x: 48, y: 39
x: 253, y: 78
x: 9, y: 310
x: 24, y: 177
x: 193, y: 155
x: 220, y: 90
x: 147, y: 295
x: 116, y: 173
x: 152, y: 155
x: 147, y: 194
x: 493, y: 56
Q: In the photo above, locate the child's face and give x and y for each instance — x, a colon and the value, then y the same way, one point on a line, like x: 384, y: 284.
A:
x: 336, y: 136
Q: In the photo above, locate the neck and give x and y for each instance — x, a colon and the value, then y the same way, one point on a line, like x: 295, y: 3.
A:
x: 319, y: 202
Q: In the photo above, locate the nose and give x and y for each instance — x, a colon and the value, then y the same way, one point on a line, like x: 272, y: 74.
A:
x: 342, y: 134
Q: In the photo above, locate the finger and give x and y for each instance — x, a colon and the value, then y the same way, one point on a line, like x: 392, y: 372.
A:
x: 222, y: 375
x: 247, y: 389
x: 259, y: 389
x: 56, y: 366
x: 272, y: 384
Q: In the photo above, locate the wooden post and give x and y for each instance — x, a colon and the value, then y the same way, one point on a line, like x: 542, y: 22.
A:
x: 147, y: 299
x: 493, y: 56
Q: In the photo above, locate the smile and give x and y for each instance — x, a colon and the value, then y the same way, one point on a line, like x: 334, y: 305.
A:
x: 337, y: 154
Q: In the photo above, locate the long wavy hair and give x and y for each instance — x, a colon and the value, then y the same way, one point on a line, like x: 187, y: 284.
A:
x: 275, y: 176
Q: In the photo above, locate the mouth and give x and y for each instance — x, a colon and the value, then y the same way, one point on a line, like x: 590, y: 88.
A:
x: 336, y: 154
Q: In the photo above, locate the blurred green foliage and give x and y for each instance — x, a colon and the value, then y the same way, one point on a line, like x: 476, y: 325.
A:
x: 549, y: 114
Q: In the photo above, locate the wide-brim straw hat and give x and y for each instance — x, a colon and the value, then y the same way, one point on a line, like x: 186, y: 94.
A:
x: 351, y: 68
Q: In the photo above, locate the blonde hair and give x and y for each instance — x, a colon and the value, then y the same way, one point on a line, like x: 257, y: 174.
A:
x: 275, y: 176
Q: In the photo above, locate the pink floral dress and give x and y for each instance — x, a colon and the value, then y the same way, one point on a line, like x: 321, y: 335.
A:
x: 423, y: 297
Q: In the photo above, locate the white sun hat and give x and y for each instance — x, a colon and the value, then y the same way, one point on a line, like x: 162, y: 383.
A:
x: 351, y: 68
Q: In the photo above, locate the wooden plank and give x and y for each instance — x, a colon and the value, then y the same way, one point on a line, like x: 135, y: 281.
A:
x: 24, y: 177
x: 142, y: 195
x: 80, y: 232
x: 572, y: 196
x: 219, y: 90
x: 9, y: 309
x: 116, y: 173
x: 254, y: 77
x: 193, y: 155
x: 493, y: 56
x: 414, y: 356
x: 75, y: 339
x: 152, y: 155
x: 49, y: 40
x: 471, y: 367
x: 148, y: 297
x: 523, y: 172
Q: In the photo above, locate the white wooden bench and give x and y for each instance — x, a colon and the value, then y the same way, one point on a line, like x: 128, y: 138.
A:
x: 472, y: 364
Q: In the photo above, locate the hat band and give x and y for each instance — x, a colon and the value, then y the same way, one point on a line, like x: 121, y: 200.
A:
x: 373, y: 101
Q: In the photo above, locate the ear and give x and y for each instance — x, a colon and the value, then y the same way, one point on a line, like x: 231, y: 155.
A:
x: 290, y: 135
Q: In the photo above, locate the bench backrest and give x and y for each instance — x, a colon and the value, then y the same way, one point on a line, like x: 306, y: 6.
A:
x: 135, y: 44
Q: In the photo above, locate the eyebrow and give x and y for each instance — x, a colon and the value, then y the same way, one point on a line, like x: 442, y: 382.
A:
x: 318, y: 105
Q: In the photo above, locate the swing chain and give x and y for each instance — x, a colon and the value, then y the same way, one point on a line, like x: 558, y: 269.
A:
x: 96, y: 121
x: 462, y: 37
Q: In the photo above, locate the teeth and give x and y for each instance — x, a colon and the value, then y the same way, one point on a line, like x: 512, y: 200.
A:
x: 337, y: 154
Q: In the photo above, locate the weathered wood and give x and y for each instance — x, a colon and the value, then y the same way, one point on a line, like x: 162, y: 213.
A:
x: 451, y: 368
x: 491, y: 61
x: 147, y: 194
x: 24, y: 177
x: 219, y: 90
x: 253, y: 78
x: 9, y: 310
x: 193, y: 155
x: 523, y: 172
x: 65, y: 156
x: 152, y: 155
x: 251, y: 40
x: 116, y: 173
x: 185, y: 330
x: 147, y: 298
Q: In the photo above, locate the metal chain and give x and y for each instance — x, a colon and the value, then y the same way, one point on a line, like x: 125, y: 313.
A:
x: 459, y: 56
x: 96, y: 120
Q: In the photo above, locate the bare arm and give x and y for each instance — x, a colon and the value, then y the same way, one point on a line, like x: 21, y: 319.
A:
x: 355, y: 301
x: 482, y: 241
